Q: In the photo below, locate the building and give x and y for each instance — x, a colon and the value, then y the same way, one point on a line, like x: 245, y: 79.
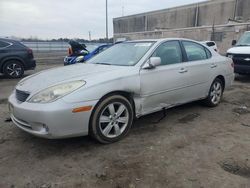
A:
x: 218, y: 20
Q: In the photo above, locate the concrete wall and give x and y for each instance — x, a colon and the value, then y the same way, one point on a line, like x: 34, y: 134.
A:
x: 193, y: 21
x: 243, y: 9
x: 203, y: 14
x: 216, y: 12
x: 223, y: 34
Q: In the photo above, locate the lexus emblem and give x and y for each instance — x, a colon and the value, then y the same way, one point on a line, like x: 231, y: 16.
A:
x: 247, y: 59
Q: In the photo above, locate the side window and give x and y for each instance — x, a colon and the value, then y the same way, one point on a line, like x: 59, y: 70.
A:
x: 209, y: 55
x: 169, y: 52
x: 3, y: 44
x: 194, y: 51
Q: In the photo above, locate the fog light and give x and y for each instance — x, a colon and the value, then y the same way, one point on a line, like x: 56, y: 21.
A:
x: 40, y: 127
x: 46, y: 127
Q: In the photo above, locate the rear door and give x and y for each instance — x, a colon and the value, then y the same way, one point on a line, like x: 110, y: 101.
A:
x: 3, y: 49
x: 200, y: 67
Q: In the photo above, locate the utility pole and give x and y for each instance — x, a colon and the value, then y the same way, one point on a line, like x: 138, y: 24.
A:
x: 89, y: 35
x: 235, y: 9
x: 107, y: 32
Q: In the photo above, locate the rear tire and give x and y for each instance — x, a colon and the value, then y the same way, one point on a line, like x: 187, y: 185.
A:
x: 215, y: 93
x: 13, y: 69
x: 112, y: 119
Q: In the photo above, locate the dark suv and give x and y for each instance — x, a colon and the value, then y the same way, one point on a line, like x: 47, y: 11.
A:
x: 15, y: 58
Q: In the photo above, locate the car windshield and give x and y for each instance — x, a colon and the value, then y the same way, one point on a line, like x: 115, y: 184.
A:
x: 244, y: 40
x: 123, y: 54
x: 91, y: 47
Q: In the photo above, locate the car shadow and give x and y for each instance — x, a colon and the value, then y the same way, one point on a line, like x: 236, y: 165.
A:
x: 143, y: 125
x: 3, y: 77
x: 242, y: 78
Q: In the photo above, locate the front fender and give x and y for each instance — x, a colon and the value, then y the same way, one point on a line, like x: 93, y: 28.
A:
x: 129, y: 84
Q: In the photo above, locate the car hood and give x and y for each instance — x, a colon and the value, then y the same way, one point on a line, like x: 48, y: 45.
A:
x: 239, y: 50
x: 65, y: 74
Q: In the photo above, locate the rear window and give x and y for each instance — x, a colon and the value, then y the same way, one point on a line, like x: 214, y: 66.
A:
x: 195, y: 51
x: 210, y: 44
x: 3, y: 44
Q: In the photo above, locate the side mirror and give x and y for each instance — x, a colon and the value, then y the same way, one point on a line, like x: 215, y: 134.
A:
x: 234, y: 42
x: 152, y: 63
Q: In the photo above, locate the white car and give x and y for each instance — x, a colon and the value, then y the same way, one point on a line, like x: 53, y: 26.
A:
x: 128, y: 80
x: 240, y: 53
x: 210, y: 44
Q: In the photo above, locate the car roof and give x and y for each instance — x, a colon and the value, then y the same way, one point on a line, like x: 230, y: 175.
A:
x: 8, y: 40
x: 162, y: 40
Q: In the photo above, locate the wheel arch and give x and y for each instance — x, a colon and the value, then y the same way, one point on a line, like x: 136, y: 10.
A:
x: 126, y: 94
x: 222, y: 78
x: 6, y: 60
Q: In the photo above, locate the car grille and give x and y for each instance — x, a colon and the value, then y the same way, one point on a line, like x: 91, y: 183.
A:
x: 21, y: 95
x: 241, y: 59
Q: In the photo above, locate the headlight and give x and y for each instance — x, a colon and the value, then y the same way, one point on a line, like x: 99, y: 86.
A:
x: 80, y: 59
x: 230, y: 56
x: 55, y: 92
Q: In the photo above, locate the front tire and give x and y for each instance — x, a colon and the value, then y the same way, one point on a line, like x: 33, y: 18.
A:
x: 215, y: 93
x: 112, y: 119
x: 13, y: 69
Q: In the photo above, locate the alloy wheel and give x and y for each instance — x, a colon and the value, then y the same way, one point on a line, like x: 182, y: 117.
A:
x: 113, y: 120
x: 14, y: 70
x: 216, y: 92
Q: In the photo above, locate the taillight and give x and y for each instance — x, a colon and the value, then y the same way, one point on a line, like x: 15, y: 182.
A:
x: 29, y: 51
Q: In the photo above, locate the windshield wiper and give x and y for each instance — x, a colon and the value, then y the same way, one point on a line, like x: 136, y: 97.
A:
x: 243, y: 45
x: 103, y: 63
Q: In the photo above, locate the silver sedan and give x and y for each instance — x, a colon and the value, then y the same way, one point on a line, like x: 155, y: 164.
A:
x: 103, y: 96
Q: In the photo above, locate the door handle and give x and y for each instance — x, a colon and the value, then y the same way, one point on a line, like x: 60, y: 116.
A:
x: 213, y: 65
x: 183, y: 70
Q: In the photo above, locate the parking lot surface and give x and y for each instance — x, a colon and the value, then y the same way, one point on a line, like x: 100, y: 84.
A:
x: 194, y: 146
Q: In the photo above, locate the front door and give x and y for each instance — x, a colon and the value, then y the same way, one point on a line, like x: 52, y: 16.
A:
x: 165, y: 85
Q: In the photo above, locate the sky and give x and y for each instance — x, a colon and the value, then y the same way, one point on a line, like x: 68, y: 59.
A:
x: 47, y: 19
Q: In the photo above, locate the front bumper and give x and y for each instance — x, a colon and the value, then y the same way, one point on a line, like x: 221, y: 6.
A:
x: 242, y: 69
x: 52, y: 120
x: 30, y: 65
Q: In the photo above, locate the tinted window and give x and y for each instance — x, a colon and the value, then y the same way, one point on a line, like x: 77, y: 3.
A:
x: 169, y: 52
x: 194, y: 51
x: 210, y: 44
x: 3, y: 44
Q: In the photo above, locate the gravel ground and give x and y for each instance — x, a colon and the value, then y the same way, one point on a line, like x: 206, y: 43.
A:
x: 194, y: 146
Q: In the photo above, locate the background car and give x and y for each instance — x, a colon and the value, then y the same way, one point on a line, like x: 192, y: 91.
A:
x: 102, y: 96
x: 210, y: 44
x: 84, y: 54
x: 240, y: 54
x: 15, y: 58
